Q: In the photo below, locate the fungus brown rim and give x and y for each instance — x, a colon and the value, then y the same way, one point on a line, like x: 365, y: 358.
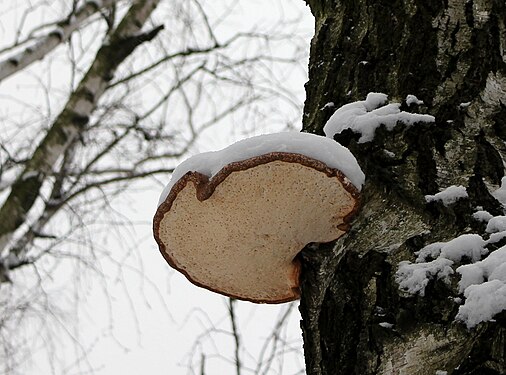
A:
x: 205, y: 187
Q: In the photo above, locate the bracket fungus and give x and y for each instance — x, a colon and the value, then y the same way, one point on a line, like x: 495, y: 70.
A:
x: 233, y: 221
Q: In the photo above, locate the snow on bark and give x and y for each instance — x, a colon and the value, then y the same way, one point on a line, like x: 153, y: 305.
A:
x: 465, y: 148
x: 490, y: 268
x: 411, y: 99
x: 365, y: 116
x: 482, y: 282
x: 500, y: 194
x: 449, y: 195
x: 483, y: 302
x: 496, y: 224
x: 496, y: 237
x: 414, y: 277
x: 44, y: 44
x: 96, y: 3
x: 431, y: 251
x: 482, y: 215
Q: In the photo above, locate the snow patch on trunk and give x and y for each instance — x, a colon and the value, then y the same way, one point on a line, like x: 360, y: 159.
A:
x: 365, y: 116
x: 414, y: 277
x: 496, y: 224
x: 411, y: 99
x: 500, y: 194
x: 482, y: 281
x: 483, y: 216
x: 449, y: 195
x: 483, y: 301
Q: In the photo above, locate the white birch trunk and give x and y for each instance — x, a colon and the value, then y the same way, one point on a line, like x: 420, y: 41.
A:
x: 45, y: 44
x: 74, y: 117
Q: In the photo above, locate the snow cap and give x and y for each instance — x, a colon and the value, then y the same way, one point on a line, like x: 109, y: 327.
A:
x: 238, y: 228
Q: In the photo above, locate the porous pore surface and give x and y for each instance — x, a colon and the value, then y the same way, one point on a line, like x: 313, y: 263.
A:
x: 238, y: 233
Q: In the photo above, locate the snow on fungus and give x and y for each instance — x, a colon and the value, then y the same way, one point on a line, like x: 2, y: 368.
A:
x: 233, y: 221
x: 365, y: 116
x: 313, y: 146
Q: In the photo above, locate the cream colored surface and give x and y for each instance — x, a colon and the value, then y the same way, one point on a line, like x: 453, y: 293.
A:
x: 242, y: 240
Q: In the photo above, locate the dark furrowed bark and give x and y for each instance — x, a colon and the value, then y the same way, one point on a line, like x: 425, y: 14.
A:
x: 450, y: 54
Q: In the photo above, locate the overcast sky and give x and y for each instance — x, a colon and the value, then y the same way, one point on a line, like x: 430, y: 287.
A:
x: 147, y: 318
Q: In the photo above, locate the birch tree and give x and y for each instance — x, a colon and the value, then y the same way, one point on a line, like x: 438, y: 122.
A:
x: 415, y: 287
x: 120, y: 92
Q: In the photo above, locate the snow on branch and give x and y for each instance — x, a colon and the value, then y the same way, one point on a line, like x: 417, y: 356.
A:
x: 365, y: 116
x: 44, y: 44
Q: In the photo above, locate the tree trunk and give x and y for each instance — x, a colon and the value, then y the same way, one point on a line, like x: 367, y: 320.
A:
x: 40, y: 47
x: 450, y: 54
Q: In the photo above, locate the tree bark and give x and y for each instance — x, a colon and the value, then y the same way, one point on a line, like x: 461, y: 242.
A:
x: 451, y: 55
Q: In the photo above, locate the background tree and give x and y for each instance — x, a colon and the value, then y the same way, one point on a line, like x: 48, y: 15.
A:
x: 98, y: 100
x: 451, y: 55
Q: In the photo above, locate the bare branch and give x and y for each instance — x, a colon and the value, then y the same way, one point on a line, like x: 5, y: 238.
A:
x: 74, y: 118
x: 96, y: 133
x: 44, y: 44
x: 235, y: 333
